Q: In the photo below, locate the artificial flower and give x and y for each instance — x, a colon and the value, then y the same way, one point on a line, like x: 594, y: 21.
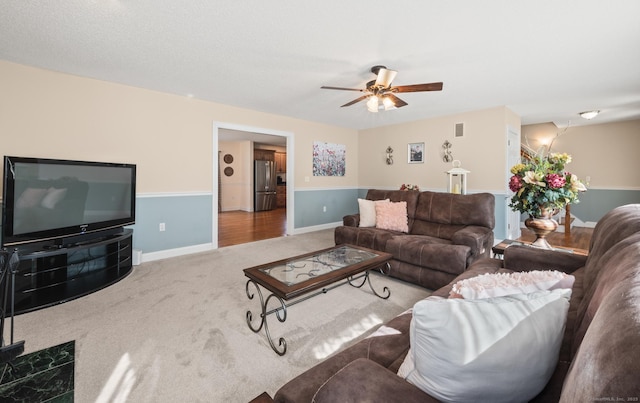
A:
x: 517, y: 168
x: 542, y: 183
x: 576, y: 185
x: 534, y: 178
x: 515, y: 183
x: 555, y: 181
x: 408, y: 186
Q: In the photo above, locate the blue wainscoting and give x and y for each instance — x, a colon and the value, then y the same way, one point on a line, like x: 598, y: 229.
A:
x: 595, y: 203
x: 500, y: 230
x: 188, y: 221
x: 188, y: 217
x: 309, y: 206
x: 340, y: 202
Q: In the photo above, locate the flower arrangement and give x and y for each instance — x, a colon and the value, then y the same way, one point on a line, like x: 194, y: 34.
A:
x: 408, y: 186
x: 542, y: 183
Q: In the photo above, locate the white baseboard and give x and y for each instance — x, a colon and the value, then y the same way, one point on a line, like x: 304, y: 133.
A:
x: 165, y: 254
x: 313, y: 228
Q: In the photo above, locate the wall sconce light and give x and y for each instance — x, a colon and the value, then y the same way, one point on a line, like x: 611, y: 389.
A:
x: 447, y: 157
x: 589, y: 114
x: 389, y: 155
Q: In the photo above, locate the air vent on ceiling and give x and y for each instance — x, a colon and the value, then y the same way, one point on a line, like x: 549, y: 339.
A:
x: 459, y: 130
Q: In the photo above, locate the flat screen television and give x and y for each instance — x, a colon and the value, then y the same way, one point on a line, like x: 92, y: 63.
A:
x: 65, y: 201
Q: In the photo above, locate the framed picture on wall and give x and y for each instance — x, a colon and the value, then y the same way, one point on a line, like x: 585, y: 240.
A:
x: 415, y: 153
x: 329, y: 159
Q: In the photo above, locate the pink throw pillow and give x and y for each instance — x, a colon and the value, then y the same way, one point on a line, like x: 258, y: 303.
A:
x: 392, y: 216
x: 494, y: 285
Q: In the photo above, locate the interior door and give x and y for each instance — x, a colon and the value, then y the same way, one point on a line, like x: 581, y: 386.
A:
x: 513, y: 157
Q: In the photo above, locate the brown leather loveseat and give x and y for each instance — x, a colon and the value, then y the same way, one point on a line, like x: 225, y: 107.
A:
x: 446, y: 233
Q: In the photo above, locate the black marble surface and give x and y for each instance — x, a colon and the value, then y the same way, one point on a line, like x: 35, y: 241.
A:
x: 44, y: 375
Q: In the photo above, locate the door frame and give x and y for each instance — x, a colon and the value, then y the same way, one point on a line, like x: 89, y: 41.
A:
x: 215, y: 157
x: 512, y: 222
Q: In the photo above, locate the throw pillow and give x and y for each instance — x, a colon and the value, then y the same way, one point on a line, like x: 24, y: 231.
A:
x: 489, y: 350
x: 367, y: 210
x: 392, y: 216
x: 492, y: 285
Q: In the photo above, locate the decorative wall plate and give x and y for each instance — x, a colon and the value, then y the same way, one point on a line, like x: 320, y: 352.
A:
x: 228, y: 158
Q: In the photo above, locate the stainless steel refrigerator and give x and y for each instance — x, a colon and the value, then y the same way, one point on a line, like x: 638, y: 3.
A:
x: 265, y: 185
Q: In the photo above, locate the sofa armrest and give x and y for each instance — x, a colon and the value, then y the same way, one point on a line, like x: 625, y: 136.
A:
x: 526, y: 258
x: 351, y: 220
x: 383, y: 349
x: 366, y: 381
x: 478, y: 238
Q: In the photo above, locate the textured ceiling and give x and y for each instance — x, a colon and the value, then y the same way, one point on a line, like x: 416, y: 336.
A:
x: 545, y: 60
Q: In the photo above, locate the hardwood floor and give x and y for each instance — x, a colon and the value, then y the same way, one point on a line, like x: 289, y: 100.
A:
x: 578, y: 238
x: 236, y: 227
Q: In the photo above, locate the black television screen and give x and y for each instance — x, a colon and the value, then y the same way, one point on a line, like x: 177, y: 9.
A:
x: 47, y: 199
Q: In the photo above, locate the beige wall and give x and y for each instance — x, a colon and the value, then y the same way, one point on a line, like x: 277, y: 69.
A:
x: 482, y: 151
x: 169, y: 137
x: 606, y: 153
x: 236, y: 189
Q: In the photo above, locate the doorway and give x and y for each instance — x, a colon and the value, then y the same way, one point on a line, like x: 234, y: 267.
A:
x: 252, y: 225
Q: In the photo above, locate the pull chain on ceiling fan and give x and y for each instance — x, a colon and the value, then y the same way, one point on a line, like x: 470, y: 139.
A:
x: 380, y: 90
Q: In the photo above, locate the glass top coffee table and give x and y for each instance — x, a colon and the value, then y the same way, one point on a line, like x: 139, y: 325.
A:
x: 299, y: 278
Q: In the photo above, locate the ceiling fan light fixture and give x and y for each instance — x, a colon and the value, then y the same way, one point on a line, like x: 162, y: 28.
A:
x: 589, y: 114
x: 379, y: 94
x: 372, y: 104
x: 388, y: 104
x: 385, y: 77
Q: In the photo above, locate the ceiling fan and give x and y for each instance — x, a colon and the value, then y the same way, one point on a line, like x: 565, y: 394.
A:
x: 380, y: 90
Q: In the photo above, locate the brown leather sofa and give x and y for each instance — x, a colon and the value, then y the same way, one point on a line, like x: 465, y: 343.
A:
x: 599, y: 358
x: 447, y: 232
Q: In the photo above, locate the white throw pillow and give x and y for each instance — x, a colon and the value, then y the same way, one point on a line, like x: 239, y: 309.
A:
x: 491, y: 285
x: 489, y: 350
x: 368, y: 211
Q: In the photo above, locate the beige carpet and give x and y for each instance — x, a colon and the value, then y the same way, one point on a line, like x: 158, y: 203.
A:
x: 174, y: 330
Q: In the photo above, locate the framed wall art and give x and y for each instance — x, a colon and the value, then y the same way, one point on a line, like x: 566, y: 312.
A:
x: 328, y: 159
x: 415, y: 153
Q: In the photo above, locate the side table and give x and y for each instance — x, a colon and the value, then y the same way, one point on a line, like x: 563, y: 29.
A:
x: 498, y: 249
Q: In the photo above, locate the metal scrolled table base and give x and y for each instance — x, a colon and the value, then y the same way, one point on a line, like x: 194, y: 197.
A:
x: 263, y: 317
x: 281, y: 311
x: 367, y: 279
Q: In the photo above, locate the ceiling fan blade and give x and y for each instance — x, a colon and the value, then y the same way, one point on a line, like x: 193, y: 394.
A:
x: 418, y: 87
x: 355, y: 101
x: 399, y: 103
x: 341, y: 88
x: 385, y: 77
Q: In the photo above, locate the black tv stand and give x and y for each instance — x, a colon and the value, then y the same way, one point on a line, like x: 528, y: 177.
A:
x: 55, y: 273
x: 85, y: 239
